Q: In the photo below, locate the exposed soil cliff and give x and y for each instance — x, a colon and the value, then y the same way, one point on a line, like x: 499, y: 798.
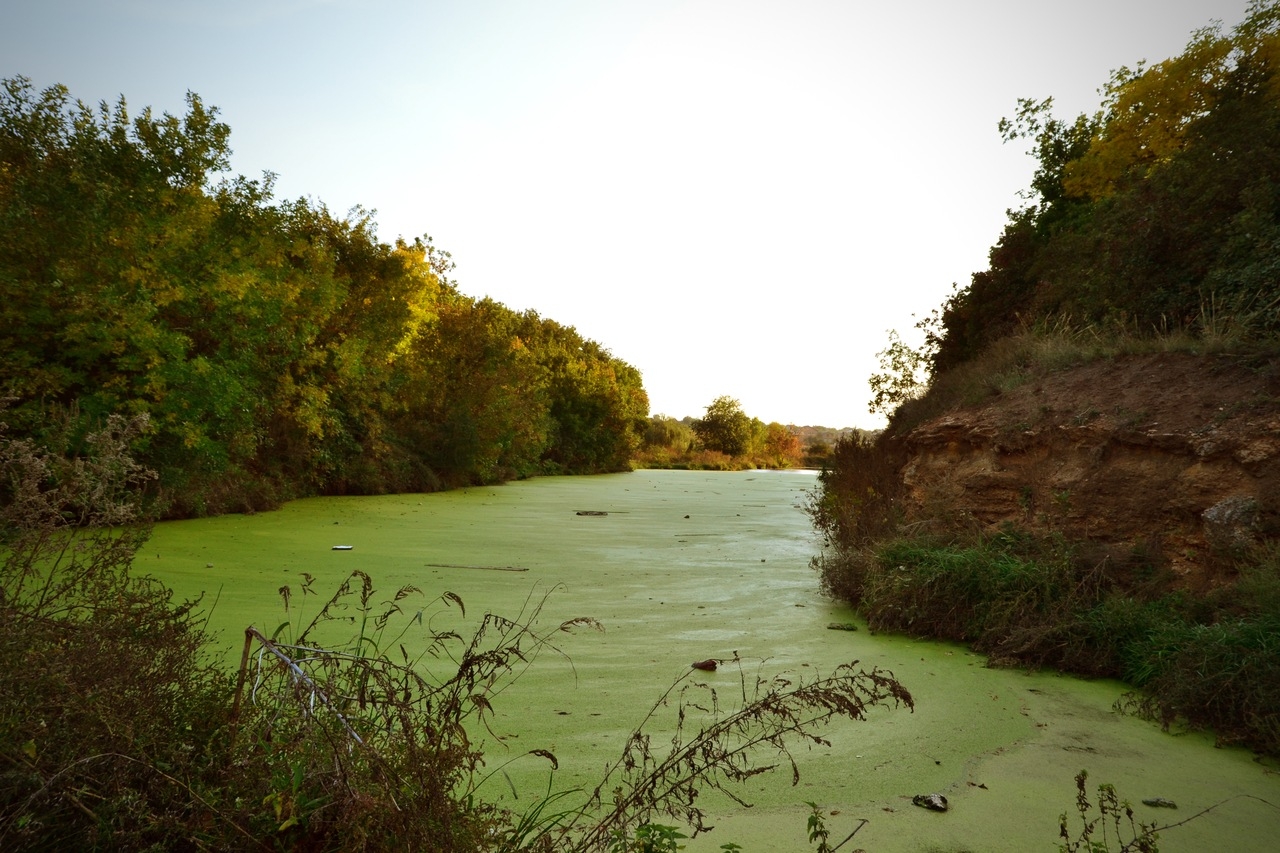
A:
x: 1171, y: 455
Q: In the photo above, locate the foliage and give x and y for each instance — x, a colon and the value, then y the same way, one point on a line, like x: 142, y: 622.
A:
x: 597, y: 403
x: 1158, y: 212
x: 365, y: 744
x: 648, y: 838
x: 1221, y: 674
x: 854, y: 505
x: 725, y: 439
x: 903, y: 375
x: 1031, y: 601
x: 278, y: 349
x: 724, y: 427
x: 477, y: 404
x: 683, y: 444
x: 664, y: 431
x: 781, y: 446
x: 1114, y: 822
x: 112, y: 720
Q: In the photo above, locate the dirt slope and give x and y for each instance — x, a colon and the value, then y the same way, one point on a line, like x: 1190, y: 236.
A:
x: 1173, y: 456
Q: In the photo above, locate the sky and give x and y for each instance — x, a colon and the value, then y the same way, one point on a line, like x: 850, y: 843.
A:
x: 738, y: 198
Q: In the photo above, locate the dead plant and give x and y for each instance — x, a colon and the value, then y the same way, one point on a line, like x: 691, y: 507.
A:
x: 715, y: 749
x: 363, y: 740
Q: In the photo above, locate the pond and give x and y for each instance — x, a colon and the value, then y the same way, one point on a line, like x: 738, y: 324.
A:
x: 681, y: 566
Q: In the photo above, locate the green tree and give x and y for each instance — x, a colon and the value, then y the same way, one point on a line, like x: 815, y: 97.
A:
x: 278, y: 349
x: 597, y: 403
x: 725, y: 427
x: 903, y: 376
x: 478, y: 410
x: 1160, y: 211
x: 665, y: 431
x: 781, y: 446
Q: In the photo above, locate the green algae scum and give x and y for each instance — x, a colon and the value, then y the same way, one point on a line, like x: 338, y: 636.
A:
x: 682, y: 566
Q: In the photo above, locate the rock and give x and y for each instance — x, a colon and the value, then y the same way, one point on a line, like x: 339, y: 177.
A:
x: 932, y: 802
x: 709, y: 665
x: 1232, y: 523
x: 1159, y: 803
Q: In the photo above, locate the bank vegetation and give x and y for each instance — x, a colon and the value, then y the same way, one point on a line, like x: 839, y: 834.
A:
x: 277, y: 349
x: 1151, y: 225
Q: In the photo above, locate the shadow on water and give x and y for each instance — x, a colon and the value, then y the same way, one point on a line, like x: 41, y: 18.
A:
x: 682, y: 566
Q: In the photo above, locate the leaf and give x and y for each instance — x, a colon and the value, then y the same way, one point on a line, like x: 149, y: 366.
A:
x: 30, y: 749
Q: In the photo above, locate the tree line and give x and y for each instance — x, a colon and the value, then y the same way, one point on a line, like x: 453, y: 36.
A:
x: 727, y: 438
x: 277, y: 349
x: 1158, y: 212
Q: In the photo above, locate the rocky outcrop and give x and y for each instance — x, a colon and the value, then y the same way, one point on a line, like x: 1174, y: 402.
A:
x: 1174, y: 455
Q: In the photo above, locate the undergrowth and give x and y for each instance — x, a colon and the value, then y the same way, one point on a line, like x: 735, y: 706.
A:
x: 1058, y: 343
x: 1210, y: 663
x: 1114, y: 823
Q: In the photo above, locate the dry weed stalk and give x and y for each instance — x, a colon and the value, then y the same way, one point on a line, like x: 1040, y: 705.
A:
x: 722, y: 751
x: 367, y: 738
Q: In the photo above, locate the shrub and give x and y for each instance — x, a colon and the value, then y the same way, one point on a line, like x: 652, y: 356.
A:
x: 111, y: 719
x: 1211, y: 663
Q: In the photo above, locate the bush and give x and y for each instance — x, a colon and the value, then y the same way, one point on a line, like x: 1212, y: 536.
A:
x: 1211, y: 664
x: 111, y: 718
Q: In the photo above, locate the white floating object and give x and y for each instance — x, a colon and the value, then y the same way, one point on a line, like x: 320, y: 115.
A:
x: 343, y: 547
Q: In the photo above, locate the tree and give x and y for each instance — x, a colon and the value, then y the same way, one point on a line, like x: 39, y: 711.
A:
x: 904, y: 375
x: 665, y: 431
x: 478, y: 409
x: 277, y: 349
x: 597, y: 404
x: 781, y: 446
x: 1159, y: 211
x: 1147, y: 113
x: 724, y: 427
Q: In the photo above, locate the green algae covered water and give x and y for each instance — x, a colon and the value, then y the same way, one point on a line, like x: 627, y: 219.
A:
x: 681, y: 566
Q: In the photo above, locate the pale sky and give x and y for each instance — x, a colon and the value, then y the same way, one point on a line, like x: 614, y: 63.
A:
x: 738, y: 198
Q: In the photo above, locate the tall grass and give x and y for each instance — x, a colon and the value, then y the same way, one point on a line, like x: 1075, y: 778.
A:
x: 1206, y: 663
x: 1061, y: 342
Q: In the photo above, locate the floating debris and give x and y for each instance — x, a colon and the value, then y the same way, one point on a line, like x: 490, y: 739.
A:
x: 1159, y: 803
x: 479, y: 568
x: 932, y: 802
x: 842, y: 626
x: 709, y: 665
x: 591, y: 512
x: 343, y: 547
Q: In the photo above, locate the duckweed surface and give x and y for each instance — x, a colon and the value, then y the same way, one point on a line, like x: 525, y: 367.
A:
x: 681, y: 566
